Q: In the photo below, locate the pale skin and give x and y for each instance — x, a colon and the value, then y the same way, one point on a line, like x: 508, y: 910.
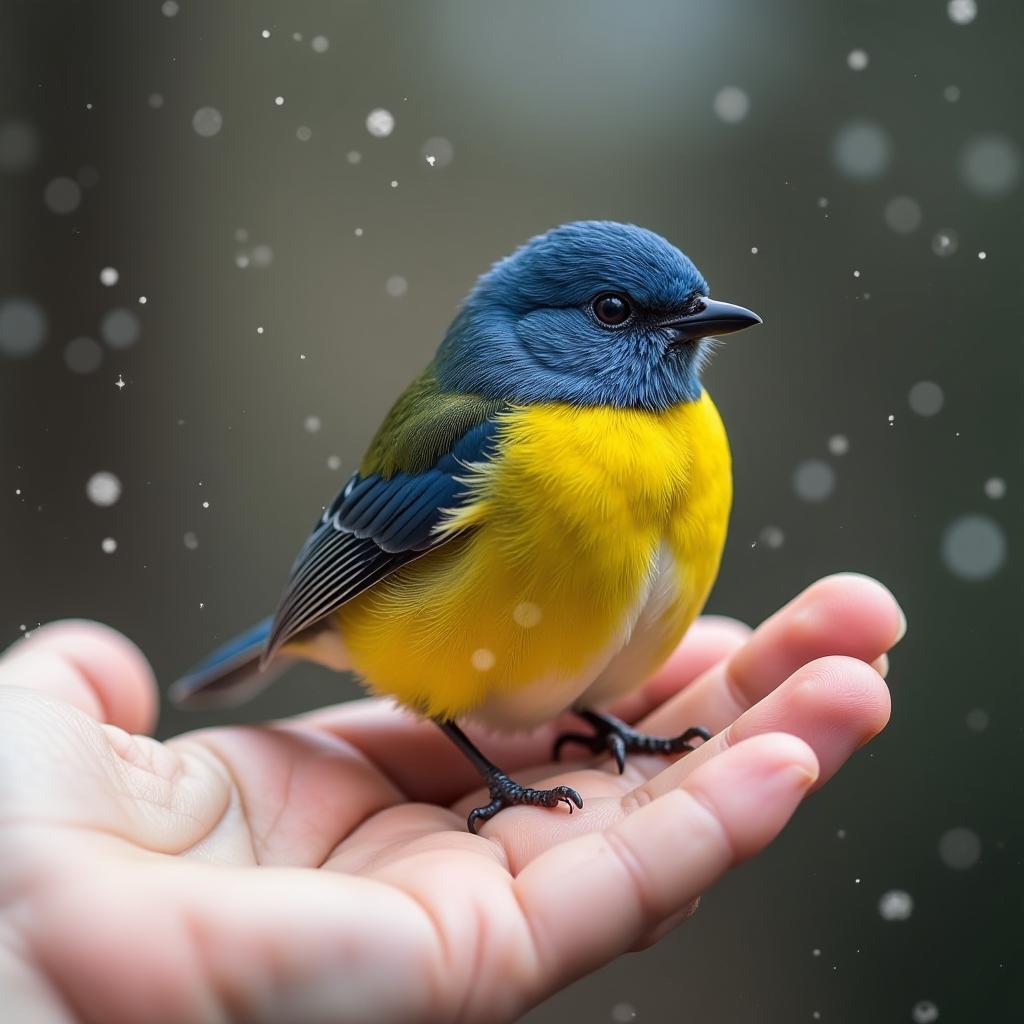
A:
x: 319, y: 870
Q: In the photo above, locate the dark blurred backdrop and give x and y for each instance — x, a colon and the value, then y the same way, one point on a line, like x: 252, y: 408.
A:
x: 850, y: 170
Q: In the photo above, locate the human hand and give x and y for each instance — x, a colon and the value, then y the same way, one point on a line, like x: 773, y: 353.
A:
x: 318, y: 869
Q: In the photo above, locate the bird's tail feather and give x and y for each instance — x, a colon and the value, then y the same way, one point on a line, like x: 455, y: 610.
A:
x: 230, y: 675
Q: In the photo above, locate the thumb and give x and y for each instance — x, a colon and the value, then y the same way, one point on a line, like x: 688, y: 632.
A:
x: 90, y: 666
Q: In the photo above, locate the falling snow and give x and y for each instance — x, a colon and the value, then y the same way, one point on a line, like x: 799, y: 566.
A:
x: 527, y: 614
x: 977, y: 719
x: 103, y: 489
x: 207, y: 122
x: 380, y: 123
x: 19, y: 146
x: 814, y: 480
x: 62, y: 195
x: 962, y: 12
x: 926, y: 398
x: 482, y: 659
x: 83, y: 355
x: 995, y: 488
x: 120, y: 328
x: 23, y: 327
x: 437, y: 151
x: 896, y: 905
x: 945, y: 242
x: 861, y: 150
x: 903, y: 214
x: 731, y: 104
x: 974, y: 547
x: 857, y: 60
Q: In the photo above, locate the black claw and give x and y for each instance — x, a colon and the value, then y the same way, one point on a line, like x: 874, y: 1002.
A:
x: 617, y: 747
x: 617, y: 738
x: 587, y: 740
x: 507, y: 793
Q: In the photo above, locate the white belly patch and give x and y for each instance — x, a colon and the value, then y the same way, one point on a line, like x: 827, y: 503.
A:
x: 618, y: 668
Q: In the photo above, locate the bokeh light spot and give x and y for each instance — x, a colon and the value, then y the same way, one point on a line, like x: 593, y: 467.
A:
x: 861, y: 150
x: 103, y: 489
x: 23, y: 327
x: 814, y: 480
x: 731, y: 104
x: 903, y: 214
x: 926, y: 398
x: 974, y: 547
x: 945, y: 242
x: 207, y: 122
x: 19, y: 146
x: 960, y: 848
x: 990, y: 166
x: 83, y: 355
x: 896, y: 905
x: 120, y: 328
x: 962, y: 12
x: 62, y: 195
x: 380, y: 123
x: 438, y: 148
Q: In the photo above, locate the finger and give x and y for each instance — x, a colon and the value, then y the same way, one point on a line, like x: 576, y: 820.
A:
x: 846, y: 615
x: 650, y: 865
x: 90, y: 666
x: 402, y: 743
x: 273, y: 944
x: 835, y: 705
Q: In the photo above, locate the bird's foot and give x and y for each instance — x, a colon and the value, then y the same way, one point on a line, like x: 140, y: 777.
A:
x: 615, y: 737
x: 507, y: 793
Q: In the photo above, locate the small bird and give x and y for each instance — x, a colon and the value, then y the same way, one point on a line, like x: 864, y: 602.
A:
x: 540, y: 516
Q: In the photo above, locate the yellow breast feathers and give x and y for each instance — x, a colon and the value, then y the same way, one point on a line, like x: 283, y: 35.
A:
x: 568, y: 524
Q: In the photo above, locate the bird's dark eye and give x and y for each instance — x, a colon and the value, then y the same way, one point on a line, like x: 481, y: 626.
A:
x: 612, y: 309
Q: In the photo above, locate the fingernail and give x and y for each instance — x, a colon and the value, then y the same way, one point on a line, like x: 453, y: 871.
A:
x: 782, y: 779
x: 881, y: 665
x: 902, y: 632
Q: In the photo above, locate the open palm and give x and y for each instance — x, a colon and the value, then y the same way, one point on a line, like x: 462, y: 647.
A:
x: 319, y: 869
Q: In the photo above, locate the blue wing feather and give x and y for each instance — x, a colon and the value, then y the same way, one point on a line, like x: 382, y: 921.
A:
x: 373, y: 527
x: 229, y: 674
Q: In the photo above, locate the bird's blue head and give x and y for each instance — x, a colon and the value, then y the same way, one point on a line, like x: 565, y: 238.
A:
x: 591, y: 313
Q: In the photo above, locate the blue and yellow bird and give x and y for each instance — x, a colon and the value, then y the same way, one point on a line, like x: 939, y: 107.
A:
x: 540, y: 516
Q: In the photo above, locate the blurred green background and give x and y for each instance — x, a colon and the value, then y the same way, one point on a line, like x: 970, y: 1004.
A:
x: 850, y: 170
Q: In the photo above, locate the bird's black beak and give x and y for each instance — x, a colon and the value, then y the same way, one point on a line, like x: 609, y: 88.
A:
x: 712, y: 319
